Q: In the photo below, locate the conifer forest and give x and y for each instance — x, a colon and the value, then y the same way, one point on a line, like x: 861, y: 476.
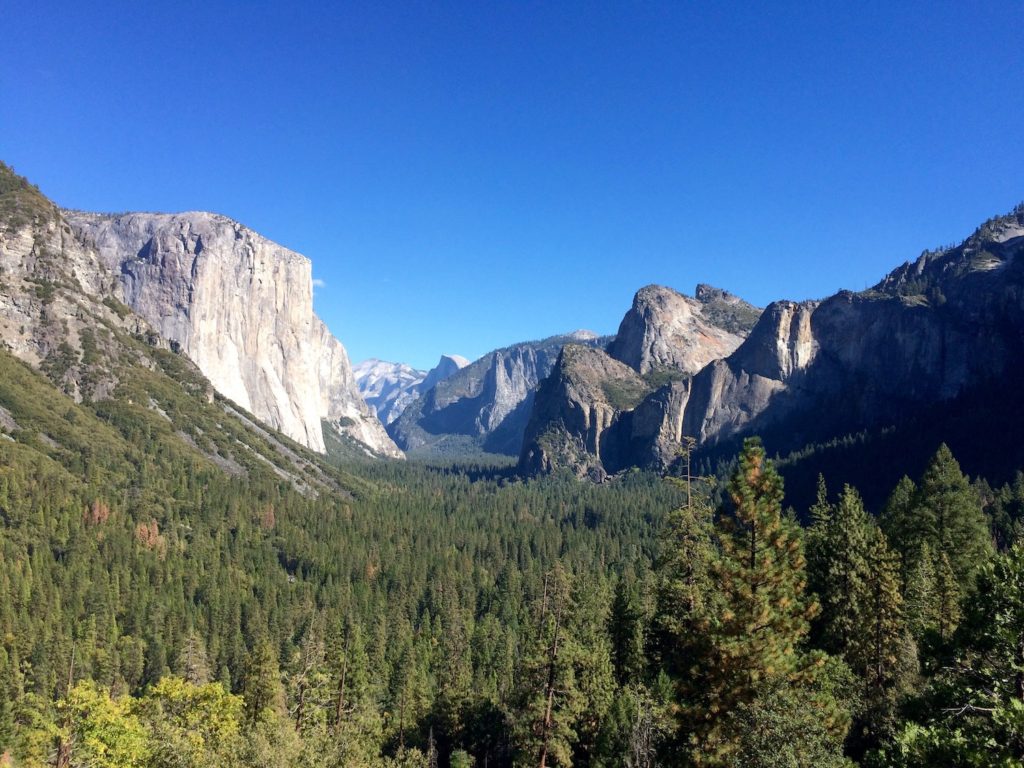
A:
x: 157, y: 611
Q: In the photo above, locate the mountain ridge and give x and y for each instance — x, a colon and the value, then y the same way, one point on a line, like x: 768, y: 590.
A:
x: 811, y: 372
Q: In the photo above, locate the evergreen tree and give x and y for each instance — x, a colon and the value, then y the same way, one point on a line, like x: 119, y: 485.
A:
x: 262, y: 684
x: 921, y: 597
x: 193, y: 664
x: 948, y: 595
x: 686, y: 594
x: 356, y: 721
x: 838, y: 550
x: 754, y: 640
x: 880, y: 650
x: 945, y: 513
x: 901, y: 524
x: 625, y: 629
x: 549, y: 701
x: 976, y: 715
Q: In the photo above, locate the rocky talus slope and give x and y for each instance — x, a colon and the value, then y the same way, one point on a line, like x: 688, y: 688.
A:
x: 241, y: 307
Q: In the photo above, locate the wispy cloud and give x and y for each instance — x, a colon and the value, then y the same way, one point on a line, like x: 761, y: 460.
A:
x: 318, y: 283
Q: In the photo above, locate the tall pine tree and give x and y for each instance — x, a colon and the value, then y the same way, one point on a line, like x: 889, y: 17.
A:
x: 753, y: 639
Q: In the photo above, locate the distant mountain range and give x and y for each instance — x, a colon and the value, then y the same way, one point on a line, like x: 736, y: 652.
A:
x: 389, y: 387
x: 933, y: 352
x: 485, y: 405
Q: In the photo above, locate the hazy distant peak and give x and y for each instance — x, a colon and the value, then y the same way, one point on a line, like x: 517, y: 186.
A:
x: 459, y: 360
x: 583, y: 335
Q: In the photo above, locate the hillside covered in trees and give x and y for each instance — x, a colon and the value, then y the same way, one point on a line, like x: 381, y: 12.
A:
x: 156, y: 610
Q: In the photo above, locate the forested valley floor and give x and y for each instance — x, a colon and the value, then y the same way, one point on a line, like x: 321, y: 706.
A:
x: 156, y: 610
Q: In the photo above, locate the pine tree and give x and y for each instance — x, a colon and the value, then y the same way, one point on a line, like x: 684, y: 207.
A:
x: 193, y: 664
x: 950, y: 517
x: 920, y: 595
x: 978, y: 718
x: 765, y: 614
x: 874, y: 647
x: 948, y: 595
x: 838, y: 550
x: 880, y: 651
x: 262, y: 683
x: 625, y: 630
x: 901, y: 524
x: 549, y: 701
x: 357, y: 725
x: 686, y: 593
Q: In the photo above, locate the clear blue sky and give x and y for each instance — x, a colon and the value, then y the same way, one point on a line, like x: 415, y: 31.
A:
x: 467, y: 175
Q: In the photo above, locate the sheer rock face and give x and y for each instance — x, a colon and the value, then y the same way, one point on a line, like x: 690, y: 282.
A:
x: 664, y: 339
x: 340, y: 401
x: 241, y: 307
x: 728, y: 394
x: 929, y: 332
x: 934, y: 332
x: 485, y: 405
x: 666, y: 330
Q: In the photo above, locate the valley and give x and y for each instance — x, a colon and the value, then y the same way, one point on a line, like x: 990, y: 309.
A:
x: 221, y: 543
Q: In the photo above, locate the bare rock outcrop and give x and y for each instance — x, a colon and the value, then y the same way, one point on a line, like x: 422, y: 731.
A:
x: 663, y: 340
x: 575, y: 411
x: 665, y: 330
x: 241, y: 307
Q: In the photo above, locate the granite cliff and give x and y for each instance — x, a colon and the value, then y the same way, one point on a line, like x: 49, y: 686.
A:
x: 61, y: 318
x: 667, y: 331
x: 241, y: 307
x: 935, y: 349
x: 601, y: 412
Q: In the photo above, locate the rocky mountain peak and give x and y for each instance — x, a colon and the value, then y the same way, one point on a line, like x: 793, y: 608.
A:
x: 574, y: 409
x: 665, y: 330
x: 389, y: 388
x: 486, y: 404
x: 446, y: 366
x: 990, y: 248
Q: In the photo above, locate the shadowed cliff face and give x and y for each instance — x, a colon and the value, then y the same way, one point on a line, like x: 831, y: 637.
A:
x: 241, y: 307
x: 926, y: 334
x: 601, y: 412
x: 932, y: 332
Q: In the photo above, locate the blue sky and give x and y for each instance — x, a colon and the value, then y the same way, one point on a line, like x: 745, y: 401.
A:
x: 467, y: 175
